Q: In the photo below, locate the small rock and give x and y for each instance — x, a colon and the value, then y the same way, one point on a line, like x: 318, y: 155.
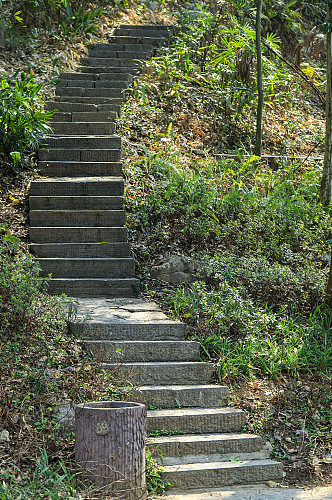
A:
x: 4, y: 436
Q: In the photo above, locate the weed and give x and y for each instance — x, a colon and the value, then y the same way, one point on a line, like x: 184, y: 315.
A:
x: 154, y: 481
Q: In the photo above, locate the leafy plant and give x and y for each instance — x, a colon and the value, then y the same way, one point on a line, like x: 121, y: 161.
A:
x: 80, y: 21
x: 154, y: 481
x: 23, y: 122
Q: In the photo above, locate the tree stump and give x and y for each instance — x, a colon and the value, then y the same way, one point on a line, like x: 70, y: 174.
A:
x: 110, y: 447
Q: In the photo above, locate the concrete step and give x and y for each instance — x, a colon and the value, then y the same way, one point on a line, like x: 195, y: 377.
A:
x: 80, y: 75
x: 121, y: 46
x: 161, y: 373
x: 87, y: 268
x: 90, y: 92
x: 137, y: 40
x: 138, y: 330
x: 76, y: 202
x: 96, y: 116
x: 77, y: 218
x: 92, y: 84
x: 70, y: 106
x: 197, y: 420
x: 175, y: 396
x: 84, y: 234
x: 143, y: 351
x: 142, y: 31
x: 85, y: 142
x: 216, y: 474
x: 81, y: 250
x: 80, y: 186
x: 83, y: 128
x: 106, y: 62
x: 193, y: 448
x: 94, y: 287
x: 79, y: 155
x: 79, y: 169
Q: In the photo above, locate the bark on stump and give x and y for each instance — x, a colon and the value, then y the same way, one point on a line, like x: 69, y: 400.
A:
x: 110, y: 447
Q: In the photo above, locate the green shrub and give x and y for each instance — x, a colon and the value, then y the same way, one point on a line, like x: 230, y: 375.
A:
x: 23, y: 122
x: 80, y: 21
x: 154, y: 482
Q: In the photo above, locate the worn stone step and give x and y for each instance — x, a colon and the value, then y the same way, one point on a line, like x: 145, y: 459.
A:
x: 111, y: 70
x: 175, y: 396
x: 76, y: 202
x: 79, y: 155
x: 80, y: 186
x: 216, y: 474
x: 143, y: 326
x: 93, y: 84
x: 120, y: 46
x: 143, y: 351
x: 80, y: 250
x: 80, y: 75
x: 90, y: 92
x: 163, y: 373
x: 96, y: 116
x: 193, y: 448
x: 83, y: 128
x: 77, y: 218
x: 94, y: 287
x: 143, y: 31
x: 80, y: 169
x: 82, y: 142
x: 70, y: 106
x: 137, y: 40
x: 87, y: 268
x: 106, y: 62
x: 197, y: 420
x: 125, y: 53
x: 109, y: 103
x: 46, y: 234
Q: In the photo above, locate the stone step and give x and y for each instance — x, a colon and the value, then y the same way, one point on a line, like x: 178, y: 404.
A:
x: 111, y: 70
x: 83, y: 128
x: 76, y: 202
x: 161, y: 373
x: 137, y: 40
x: 87, y: 268
x: 94, y: 287
x: 109, y: 103
x: 193, y: 448
x: 70, y: 106
x: 143, y: 351
x: 93, y: 83
x: 197, y: 420
x: 84, y: 234
x: 124, y: 54
x: 81, y: 250
x: 82, y: 142
x: 80, y: 75
x: 128, y: 330
x: 175, y: 396
x: 79, y: 169
x: 95, y: 116
x: 80, y: 155
x: 77, y: 218
x: 121, y: 46
x: 106, y: 62
x: 142, y: 31
x: 80, y: 186
x: 216, y: 474
x: 158, y: 28
x: 90, y: 92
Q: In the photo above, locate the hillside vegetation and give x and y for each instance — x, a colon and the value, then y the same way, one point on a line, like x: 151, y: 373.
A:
x: 253, y: 227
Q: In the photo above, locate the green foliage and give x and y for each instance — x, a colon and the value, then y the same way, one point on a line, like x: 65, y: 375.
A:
x: 23, y: 122
x: 80, y: 21
x: 47, y: 481
x: 154, y: 482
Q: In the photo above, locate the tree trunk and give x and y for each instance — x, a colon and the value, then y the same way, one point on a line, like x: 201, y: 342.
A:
x: 326, y: 182
x: 110, y: 447
x: 259, y: 118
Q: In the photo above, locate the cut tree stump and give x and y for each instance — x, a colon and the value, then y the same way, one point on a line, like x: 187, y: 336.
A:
x: 110, y: 447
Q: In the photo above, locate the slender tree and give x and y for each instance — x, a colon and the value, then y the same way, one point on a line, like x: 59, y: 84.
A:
x: 259, y: 118
x: 326, y: 182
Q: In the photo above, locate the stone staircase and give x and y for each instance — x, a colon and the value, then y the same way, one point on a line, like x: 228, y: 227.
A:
x: 78, y: 234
